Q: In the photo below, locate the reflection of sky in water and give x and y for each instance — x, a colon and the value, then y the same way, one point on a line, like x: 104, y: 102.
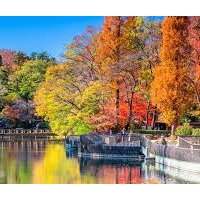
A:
x: 39, y: 162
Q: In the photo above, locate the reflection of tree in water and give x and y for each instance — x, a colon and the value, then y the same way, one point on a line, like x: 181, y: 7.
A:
x: 25, y: 150
x: 16, y: 160
x: 11, y: 171
x: 112, y: 172
x: 56, y: 168
x: 40, y: 162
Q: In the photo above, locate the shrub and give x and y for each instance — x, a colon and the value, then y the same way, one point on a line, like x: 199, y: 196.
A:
x: 196, y: 132
x: 185, y: 130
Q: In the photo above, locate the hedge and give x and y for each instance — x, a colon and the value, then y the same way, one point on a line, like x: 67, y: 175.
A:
x: 187, y: 130
x: 152, y: 132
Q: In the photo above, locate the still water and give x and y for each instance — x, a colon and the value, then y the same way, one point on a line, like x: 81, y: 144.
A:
x: 42, y: 162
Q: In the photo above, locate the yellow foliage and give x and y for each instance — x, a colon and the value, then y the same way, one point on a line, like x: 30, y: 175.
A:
x: 66, y: 103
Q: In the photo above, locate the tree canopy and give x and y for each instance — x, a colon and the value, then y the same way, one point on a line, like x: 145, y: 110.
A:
x: 130, y: 73
x: 169, y: 89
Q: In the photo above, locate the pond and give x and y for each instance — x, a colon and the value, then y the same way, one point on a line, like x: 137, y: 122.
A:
x: 44, y: 162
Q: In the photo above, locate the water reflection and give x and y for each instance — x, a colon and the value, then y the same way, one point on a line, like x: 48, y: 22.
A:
x: 41, y: 162
x: 16, y: 160
x: 56, y: 168
x: 114, y: 172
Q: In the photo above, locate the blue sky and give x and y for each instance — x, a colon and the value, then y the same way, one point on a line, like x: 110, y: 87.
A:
x: 49, y: 34
x: 39, y: 34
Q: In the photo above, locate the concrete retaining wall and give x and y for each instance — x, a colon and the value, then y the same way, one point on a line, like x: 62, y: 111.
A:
x: 170, y: 155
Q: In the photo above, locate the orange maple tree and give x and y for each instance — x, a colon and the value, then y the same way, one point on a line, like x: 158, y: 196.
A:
x: 108, y: 55
x: 169, y: 89
x: 194, y: 40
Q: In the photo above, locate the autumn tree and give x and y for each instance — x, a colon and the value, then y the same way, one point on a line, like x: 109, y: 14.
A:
x: 72, y: 92
x: 108, y: 55
x: 148, y: 59
x: 66, y: 102
x: 20, y: 112
x: 3, y: 85
x: 140, y: 42
x: 126, y: 53
x: 194, y: 40
x: 104, y: 80
x: 19, y: 87
x: 169, y: 89
x: 81, y: 52
x: 8, y: 59
x: 20, y: 76
x: 116, y: 40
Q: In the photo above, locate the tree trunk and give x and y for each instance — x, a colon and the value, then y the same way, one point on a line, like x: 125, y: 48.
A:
x: 117, y: 107
x: 194, y: 85
x: 147, y: 115
x: 130, y: 112
x: 154, y: 118
x: 118, y: 33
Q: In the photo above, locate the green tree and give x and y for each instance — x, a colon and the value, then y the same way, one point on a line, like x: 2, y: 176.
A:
x: 24, y: 82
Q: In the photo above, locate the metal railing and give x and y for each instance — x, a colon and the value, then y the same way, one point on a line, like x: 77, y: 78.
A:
x: 24, y: 131
x: 125, y: 144
x: 189, y: 142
